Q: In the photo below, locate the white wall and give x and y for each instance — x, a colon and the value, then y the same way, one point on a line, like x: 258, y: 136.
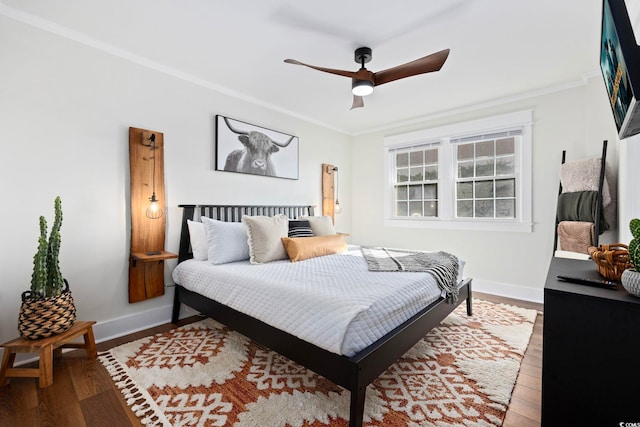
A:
x: 65, y: 110
x: 576, y: 119
x: 629, y: 178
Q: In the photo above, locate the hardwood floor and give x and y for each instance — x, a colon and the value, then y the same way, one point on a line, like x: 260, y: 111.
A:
x: 83, y: 394
x: 525, y: 407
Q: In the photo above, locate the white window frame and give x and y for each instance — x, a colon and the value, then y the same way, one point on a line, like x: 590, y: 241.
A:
x: 421, y: 147
x: 447, y: 174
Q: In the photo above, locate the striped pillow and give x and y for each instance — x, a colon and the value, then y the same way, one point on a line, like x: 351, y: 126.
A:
x: 298, y: 228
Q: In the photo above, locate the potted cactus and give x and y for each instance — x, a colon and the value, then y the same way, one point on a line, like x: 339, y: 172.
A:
x: 631, y: 277
x: 47, y: 308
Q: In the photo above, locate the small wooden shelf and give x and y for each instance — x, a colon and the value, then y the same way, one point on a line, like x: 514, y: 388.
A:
x: 150, y: 257
x: 147, y: 272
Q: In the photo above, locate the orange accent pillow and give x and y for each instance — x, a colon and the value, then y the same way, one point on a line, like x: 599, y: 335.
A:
x: 299, y: 248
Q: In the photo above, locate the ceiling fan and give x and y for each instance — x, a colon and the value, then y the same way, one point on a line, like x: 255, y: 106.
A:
x: 364, y: 80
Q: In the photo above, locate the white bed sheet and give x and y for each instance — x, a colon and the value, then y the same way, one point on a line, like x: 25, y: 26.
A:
x: 331, y: 301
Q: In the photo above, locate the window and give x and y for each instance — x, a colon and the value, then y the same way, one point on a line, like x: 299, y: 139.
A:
x: 416, y: 183
x: 486, y: 176
x: 473, y: 175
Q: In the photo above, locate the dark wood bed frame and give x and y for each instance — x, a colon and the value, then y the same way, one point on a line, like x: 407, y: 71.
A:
x: 353, y: 373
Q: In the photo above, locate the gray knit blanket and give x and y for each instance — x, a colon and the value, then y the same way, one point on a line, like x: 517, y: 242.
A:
x: 441, y: 265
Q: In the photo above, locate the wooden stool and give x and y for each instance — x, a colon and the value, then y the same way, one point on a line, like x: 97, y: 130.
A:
x: 47, y: 347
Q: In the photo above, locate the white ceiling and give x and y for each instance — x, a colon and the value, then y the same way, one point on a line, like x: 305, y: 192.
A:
x: 499, y: 48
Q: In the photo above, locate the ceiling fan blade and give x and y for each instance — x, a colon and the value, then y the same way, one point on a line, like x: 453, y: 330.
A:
x: 350, y: 74
x: 427, y: 64
x: 358, y: 102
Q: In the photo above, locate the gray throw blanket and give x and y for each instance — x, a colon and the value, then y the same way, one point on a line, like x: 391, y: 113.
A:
x: 441, y: 265
x: 580, y: 206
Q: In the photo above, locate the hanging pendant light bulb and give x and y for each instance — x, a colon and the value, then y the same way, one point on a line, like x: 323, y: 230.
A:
x: 337, y: 208
x: 154, y: 211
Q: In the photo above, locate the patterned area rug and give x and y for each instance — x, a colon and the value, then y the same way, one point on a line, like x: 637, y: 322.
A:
x: 203, y: 374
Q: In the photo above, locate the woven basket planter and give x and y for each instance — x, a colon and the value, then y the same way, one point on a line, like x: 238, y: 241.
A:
x: 611, y: 260
x: 42, y: 317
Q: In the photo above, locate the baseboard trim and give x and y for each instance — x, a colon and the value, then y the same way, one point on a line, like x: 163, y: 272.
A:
x: 129, y: 324
x: 132, y: 323
x: 509, y: 290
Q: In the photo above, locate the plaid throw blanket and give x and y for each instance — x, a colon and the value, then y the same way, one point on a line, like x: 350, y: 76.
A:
x: 441, y: 265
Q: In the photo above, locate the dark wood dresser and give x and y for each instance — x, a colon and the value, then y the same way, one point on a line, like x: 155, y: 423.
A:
x: 591, y: 351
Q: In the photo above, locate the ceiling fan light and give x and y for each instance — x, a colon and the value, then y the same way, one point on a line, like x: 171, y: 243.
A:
x: 362, y: 87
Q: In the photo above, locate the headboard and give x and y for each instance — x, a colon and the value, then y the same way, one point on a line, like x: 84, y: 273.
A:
x: 230, y: 213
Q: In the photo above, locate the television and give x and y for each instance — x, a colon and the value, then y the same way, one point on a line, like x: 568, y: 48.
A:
x: 620, y: 66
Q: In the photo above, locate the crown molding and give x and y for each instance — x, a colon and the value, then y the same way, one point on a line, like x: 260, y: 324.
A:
x: 78, y: 37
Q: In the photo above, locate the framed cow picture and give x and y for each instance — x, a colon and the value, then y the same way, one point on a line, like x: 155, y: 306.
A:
x: 245, y: 148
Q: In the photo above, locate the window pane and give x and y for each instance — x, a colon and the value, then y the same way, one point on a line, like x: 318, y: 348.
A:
x: 402, y: 209
x: 505, y: 188
x: 416, y: 158
x: 465, y: 151
x: 431, y: 191
x: 402, y: 175
x: 505, y: 165
x: 484, y: 189
x: 465, y: 169
x: 431, y: 156
x: 415, y: 208
x: 465, y: 190
x: 484, y: 209
x: 431, y: 209
x: 431, y: 172
x: 505, y: 208
x: 484, y: 149
x: 416, y: 181
x: 415, y: 192
x: 402, y: 160
x: 465, y: 208
x: 484, y: 167
x: 416, y: 174
x: 505, y: 146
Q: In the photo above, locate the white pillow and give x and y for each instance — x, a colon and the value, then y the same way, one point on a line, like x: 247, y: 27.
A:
x: 227, y: 241
x: 265, y: 234
x: 199, y: 245
x: 320, y: 225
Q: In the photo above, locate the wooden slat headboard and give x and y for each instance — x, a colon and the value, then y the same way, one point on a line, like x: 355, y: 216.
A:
x: 230, y: 213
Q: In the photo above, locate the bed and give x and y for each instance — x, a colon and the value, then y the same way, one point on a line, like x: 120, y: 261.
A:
x: 354, y: 371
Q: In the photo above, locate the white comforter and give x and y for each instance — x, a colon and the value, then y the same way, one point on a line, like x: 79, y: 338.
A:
x: 332, y: 301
